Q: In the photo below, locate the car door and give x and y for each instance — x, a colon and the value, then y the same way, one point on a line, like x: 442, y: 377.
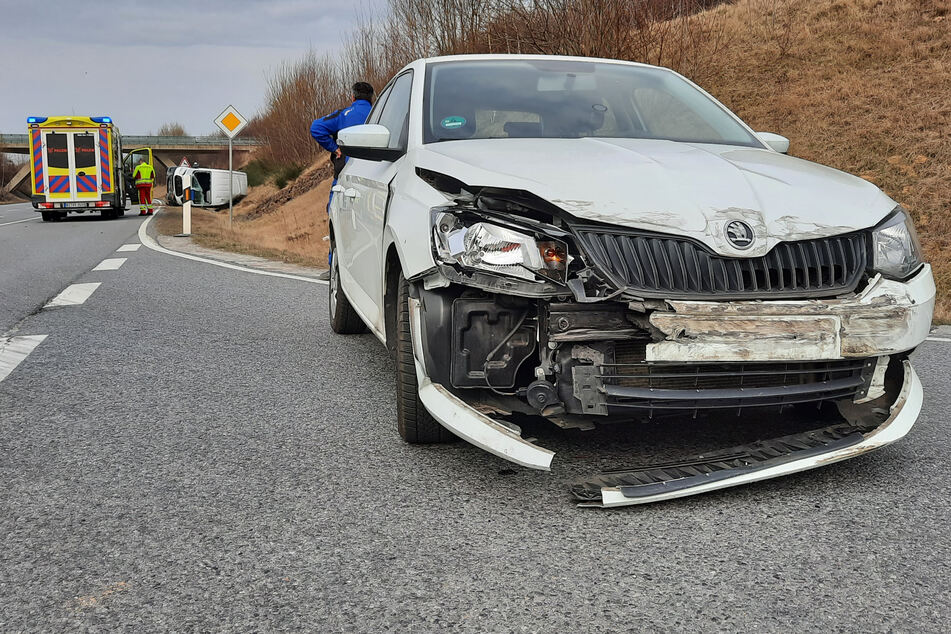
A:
x: 128, y: 166
x: 364, y: 191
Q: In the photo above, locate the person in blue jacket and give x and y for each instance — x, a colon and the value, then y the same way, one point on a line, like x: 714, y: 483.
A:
x: 325, y: 130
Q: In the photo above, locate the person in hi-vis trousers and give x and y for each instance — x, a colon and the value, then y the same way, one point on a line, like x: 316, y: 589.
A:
x: 144, y: 176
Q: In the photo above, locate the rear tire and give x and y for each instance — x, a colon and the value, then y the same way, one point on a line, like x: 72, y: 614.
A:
x: 48, y: 216
x: 415, y: 424
x: 343, y: 318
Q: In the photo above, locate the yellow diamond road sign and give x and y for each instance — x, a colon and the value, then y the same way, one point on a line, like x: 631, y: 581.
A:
x: 231, y: 122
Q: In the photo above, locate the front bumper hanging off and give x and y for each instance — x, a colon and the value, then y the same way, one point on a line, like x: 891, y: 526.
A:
x: 465, y: 422
x: 758, y: 461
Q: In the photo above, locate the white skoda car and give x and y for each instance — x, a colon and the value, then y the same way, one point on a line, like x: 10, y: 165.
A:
x: 593, y: 241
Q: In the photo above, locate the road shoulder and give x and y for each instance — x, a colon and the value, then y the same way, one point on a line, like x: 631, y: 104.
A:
x: 186, y: 247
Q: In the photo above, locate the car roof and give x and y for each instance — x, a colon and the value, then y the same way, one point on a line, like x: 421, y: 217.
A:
x: 515, y: 57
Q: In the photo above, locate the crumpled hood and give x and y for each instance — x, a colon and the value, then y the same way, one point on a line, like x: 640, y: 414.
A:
x: 687, y: 189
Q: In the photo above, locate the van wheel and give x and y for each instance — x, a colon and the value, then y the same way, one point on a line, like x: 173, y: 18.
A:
x: 343, y: 319
x: 415, y: 424
x: 48, y: 216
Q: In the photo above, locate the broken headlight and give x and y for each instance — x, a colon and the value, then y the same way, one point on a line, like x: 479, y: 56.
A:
x: 896, y: 252
x: 488, y: 247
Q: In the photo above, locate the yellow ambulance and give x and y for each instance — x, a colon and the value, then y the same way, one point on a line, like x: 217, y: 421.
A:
x: 76, y: 166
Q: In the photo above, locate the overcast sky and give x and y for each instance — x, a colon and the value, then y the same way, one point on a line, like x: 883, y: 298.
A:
x: 146, y: 63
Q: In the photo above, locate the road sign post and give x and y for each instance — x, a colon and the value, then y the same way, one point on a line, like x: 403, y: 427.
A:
x: 231, y: 122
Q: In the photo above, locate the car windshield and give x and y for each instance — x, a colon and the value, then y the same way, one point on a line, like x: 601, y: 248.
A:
x: 565, y: 99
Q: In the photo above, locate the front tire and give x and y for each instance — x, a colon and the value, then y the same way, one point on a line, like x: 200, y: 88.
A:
x: 415, y: 424
x: 343, y: 318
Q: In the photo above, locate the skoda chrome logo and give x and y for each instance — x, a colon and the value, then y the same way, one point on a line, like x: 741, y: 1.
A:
x: 739, y: 234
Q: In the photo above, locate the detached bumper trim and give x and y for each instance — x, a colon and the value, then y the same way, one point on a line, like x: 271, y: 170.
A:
x: 904, y: 413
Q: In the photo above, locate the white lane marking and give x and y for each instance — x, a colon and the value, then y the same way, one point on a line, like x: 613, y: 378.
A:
x: 129, y: 247
x: 110, y: 264
x: 4, y: 224
x: 941, y: 339
x: 147, y: 240
x: 13, y: 350
x: 73, y: 295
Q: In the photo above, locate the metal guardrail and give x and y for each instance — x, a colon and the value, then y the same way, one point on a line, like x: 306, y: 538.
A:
x: 13, y: 139
x: 134, y: 141
x: 160, y: 141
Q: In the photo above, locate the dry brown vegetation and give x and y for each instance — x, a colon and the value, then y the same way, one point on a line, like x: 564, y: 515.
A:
x: 861, y: 85
x: 299, y: 91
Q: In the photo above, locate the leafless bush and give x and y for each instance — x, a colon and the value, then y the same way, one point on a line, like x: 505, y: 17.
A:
x: 665, y: 32
x: 172, y: 129
x: 296, y: 93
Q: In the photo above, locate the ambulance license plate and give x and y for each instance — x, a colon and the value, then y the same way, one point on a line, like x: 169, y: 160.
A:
x: 74, y: 205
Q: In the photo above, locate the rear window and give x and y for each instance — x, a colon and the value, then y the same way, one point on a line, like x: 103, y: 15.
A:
x: 84, y: 151
x: 57, y: 152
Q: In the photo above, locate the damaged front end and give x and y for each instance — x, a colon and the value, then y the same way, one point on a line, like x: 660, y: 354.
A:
x: 531, y: 311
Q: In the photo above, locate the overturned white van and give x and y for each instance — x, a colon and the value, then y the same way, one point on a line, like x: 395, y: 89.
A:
x: 209, y: 186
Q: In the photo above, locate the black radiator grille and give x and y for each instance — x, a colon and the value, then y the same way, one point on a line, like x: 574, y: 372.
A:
x: 671, y: 267
x: 634, y: 384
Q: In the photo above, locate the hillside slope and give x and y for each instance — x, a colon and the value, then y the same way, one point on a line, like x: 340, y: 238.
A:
x: 861, y: 85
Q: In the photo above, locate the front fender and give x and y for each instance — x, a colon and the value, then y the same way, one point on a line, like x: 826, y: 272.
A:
x: 407, y: 225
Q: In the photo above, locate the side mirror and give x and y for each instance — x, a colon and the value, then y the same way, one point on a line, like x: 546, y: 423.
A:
x: 369, y: 141
x: 775, y: 141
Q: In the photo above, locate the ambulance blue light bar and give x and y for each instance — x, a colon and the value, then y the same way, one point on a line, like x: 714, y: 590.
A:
x: 102, y: 119
x: 36, y: 119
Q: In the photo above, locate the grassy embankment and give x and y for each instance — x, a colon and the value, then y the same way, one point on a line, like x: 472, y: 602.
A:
x: 861, y: 85
x: 287, y: 224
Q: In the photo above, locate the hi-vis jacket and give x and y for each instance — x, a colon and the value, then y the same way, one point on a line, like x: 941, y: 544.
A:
x: 143, y: 174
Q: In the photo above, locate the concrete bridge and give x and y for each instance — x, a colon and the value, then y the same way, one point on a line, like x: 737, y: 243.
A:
x: 167, y: 150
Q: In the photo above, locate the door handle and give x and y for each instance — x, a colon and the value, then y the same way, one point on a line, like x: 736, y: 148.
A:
x: 351, y: 193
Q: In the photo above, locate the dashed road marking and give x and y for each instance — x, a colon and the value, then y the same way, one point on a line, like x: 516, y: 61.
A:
x: 73, y: 295
x: 941, y: 339
x: 13, y: 222
x: 110, y: 264
x: 13, y: 350
x: 129, y: 247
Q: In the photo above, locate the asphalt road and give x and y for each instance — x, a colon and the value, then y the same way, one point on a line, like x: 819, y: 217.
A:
x: 193, y: 449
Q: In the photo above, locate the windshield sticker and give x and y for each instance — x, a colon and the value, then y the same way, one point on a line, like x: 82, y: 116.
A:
x: 451, y: 123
